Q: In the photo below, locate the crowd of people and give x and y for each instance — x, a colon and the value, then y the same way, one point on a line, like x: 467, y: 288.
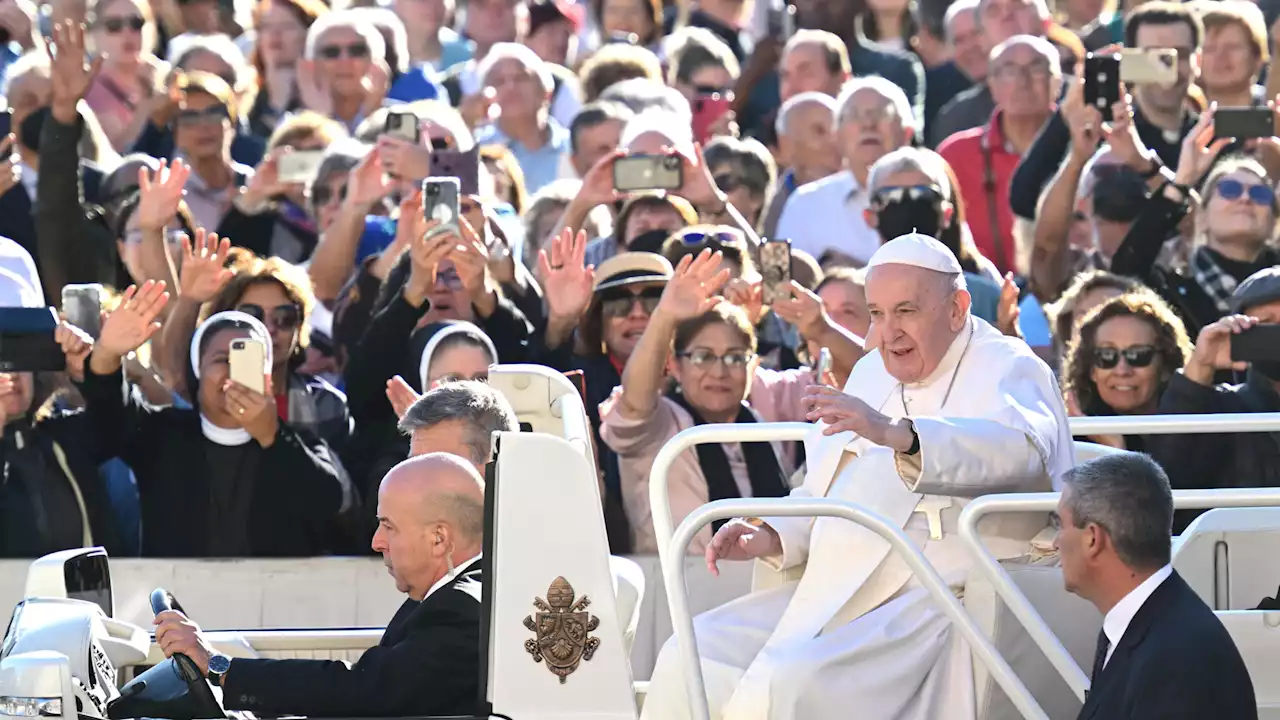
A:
x: 153, y: 151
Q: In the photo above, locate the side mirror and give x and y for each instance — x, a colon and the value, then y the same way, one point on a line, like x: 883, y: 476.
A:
x: 37, y: 684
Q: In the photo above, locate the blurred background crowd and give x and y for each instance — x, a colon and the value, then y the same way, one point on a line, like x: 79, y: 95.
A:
x: 255, y: 169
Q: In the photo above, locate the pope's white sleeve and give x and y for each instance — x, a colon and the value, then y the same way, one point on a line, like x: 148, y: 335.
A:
x: 1009, y: 451
x: 794, y: 533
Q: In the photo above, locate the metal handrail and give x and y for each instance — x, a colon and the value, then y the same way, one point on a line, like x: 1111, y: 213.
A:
x: 673, y: 572
x: 660, y: 499
x: 1175, y: 424
x: 1018, y: 603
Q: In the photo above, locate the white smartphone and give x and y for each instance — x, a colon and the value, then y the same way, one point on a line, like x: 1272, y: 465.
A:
x: 1148, y: 67
x: 248, y: 360
x: 300, y: 166
x: 82, y: 306
x: 824, y: 363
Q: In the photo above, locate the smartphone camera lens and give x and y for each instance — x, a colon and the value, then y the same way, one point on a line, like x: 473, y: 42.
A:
x: 671, y: 162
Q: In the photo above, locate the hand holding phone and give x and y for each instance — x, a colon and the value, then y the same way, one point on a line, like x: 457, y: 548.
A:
x: 248, y: 362
x: 648, y: 172
x: 82, y: 307
x: 775, y: 267
x: 1258, y: 344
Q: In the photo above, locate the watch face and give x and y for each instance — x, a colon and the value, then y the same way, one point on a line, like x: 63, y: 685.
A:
x: 219, y: 664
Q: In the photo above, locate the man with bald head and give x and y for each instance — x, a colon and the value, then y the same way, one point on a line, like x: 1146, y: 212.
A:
x: 945, y: 408
x: 806, y: 146
x: 430, y: 533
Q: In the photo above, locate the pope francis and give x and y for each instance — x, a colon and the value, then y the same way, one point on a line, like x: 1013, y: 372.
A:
x: 944, y: 409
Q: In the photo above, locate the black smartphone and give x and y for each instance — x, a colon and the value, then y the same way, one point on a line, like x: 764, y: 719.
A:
x: 1243, y: 123
x: 1260, y: 343
x: 6, y: 122
x: 1102, y: 82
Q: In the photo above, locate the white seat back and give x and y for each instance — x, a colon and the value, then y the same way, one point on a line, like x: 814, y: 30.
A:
x: 628, y: 588
x: 1228, y: 556
x: 1073, y: 620
x: 547, y: 401
x: 547, y: 525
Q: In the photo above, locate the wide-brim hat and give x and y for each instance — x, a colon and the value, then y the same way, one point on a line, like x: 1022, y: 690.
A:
x: 630, y: 268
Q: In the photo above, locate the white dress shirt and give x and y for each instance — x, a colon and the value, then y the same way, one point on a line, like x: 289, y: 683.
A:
x: 828, y: 213
x: 457, y: 570
x: 1118, y: 619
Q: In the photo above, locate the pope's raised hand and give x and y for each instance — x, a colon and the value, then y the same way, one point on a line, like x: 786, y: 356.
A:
x: 741, y: 540
x: 694, y: 285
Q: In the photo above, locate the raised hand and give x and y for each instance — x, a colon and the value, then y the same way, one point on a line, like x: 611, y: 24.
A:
x: 471, y: 257
x: 693, y: 287
x: 804, y: 310
x: 1213, y: 349
x: 597, y: 185
x: 1123, y: 138
x: 265, y: 183
x: 425, y: 253
x: 76, y: 346
x: 404, y: 160
x: 159, y: 194
x: 740, y: 540
x: 204, y: 266
x: 1007, y: 310
x: 10, y: 170
x: 400, y: 395
x: 475, y: 108
x: 366, y: 183
x: 313, y: 90
x: 408, y: 225
x: 133, y: 322
x: 846, y: 413
x: 699, y: 186
x: 1199, y: 149
x: 256, y: 412
x: 376, y: 83
x: 1084, y: 121
x: 70, y: 75
x: 567, y: 284
x: 748, y: 295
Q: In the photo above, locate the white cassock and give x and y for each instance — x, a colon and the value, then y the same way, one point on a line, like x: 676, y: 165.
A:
x: 857, y: 636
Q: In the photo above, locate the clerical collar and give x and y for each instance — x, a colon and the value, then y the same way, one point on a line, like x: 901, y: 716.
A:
x: 228, y: 437
x: 951, y: 359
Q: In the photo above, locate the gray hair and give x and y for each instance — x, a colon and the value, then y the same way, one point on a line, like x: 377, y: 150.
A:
x: 953, y: 12
x: 482, y: 409
x: 388, y: 23
x: 182, y: 47
x: 1042, y: 47
x: 909, y: 159
x: 795, y: 103
x: 1128, y: 495
x: 354, y: 21
x: 646, y: 94
x: 521, y: 54
x: 886, y: 88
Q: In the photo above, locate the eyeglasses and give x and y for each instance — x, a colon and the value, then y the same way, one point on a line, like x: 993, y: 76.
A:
x: 355, y: 51
x: 703, y: 358
x: 1138, y: 356
x: 891, y: 195
x: 1034, y: 71
x: 449, y: 278
x: 728, y: 182
x: 323, y: 194
x: 212, y: 115
x: 284, y: 317
x: 1229, y: 189
x: 117, y: 24
x: 618, y: 302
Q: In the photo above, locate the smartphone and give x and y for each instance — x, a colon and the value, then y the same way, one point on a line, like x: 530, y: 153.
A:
x: 440, y: 200
x: 579, y: 381
x: 248, y: 360
x: 1260, y: 343
x: 82, y: 306
x: 1243, y: 122
x: 1153, y: 66
x: 824, y: 363
x: 403, y: 125
x: 622, y: 38
x: 648, y: 172
x: 775, y: 267
x: 465, y: 166
x: 6, y: 123
x: 782, y: 22
x: 707, y: 111
x: 1102, y: 82
x: 300, y: 166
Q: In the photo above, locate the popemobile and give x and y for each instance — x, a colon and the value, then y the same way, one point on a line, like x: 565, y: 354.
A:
x: 560, y: 612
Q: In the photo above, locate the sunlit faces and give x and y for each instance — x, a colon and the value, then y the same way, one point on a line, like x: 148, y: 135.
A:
x: 215, y: 369
x: 327, y: 194
x: 846, y: 303
x: 805, y: 68
x: 714, y: 371
x: 870, y: 126
x: 118, y: 30
x: 648, y: 217
x: 554, y: 42
x: 28, y: 93
x: 493, y: 21
x: 810, y: 140
x: 1074, y: 545
x: 463, y: 360
x: 268, y: 302
x: 1240, y: 208
x: 203, y: 128
x: 594, y: 142
x: 342, y: 55
x: 449, y: 298
x: 626, y: 16
x: 519, y: 91
x: 1228, y: 61
x: 404, y: 537
x: 1002, y: 19
x: 1086, y: 302
x: 1127, y: 368
x: 17, y: 394
x: 281, y: 36
x: 917, y: 315
x: 421, y: 16
x: 625, y: 313
x: 449, y: 436
x: 1177, y: 36
x: 1022, y: 81
x: 966, y: 37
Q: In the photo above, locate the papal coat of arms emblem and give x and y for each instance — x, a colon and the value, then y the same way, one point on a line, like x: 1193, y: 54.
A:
x: 564, y: 630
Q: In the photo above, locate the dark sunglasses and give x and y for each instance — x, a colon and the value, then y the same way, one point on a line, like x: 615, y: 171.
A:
x: 333, y: 52
x: 618, y: 302
x: 322, y: 194
x: 892, y: 195
x: 283, y: 317
x: 1229, y: 189
x: 449, y: 278
x: 212, y: 115
x: 728, y: 182
x: 1138, y: 356
x: 116, y: 24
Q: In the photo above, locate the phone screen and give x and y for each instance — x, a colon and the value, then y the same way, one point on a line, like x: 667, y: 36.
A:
x: 775, y: 267
x: 6, y: 123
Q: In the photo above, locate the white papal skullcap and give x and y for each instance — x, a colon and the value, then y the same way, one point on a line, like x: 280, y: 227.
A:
x: 918, y: 250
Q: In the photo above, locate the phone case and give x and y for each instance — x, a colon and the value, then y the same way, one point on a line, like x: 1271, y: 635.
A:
x: 648, y: 172
x: 1260, y: 343
x: 440, y: 200
x: 707, y: 111
x: 403, y: 126
x: 1243, y: 123
x: 775, y: 267
x: 1159, y: 67
x: 82, y: 306
x: 300, y: 165
x: 248, y: 361
x: 1102, y: 82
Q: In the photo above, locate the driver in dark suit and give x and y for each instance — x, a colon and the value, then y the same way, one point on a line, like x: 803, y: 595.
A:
x: 430, y: 525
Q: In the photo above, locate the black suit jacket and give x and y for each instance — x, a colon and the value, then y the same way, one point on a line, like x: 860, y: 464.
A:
x: 1175, y: 662
x: 428, y: 663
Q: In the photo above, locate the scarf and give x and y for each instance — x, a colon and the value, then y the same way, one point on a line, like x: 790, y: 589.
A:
x: 763, y: 468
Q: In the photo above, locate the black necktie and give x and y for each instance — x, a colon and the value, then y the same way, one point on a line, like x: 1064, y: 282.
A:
x: 1100, y: 657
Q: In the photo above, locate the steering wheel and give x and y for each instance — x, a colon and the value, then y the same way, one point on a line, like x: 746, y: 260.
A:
x: 173, y: 689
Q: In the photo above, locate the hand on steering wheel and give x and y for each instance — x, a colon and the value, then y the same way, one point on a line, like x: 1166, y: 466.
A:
x: 176, y: 634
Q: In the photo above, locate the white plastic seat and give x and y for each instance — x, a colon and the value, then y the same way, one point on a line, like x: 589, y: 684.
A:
x: 628, y: 588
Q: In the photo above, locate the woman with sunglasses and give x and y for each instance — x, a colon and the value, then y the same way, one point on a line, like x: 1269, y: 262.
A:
x: 123, y: 33
x: 1126, y: 350
x: 344, y: 73
x: 203, y: 130
x: 718, y: 379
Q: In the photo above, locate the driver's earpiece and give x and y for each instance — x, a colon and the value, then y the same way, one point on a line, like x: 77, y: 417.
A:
x: 439, y: 538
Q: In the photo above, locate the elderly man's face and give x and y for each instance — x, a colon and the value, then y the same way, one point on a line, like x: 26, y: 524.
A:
x: 1268, y: 313
x: 916, y: 316
x: 810, y: 142
x: 1022, y: 82
x: 1002, y: 19
x: 870, y: 128
x: 449, y: 436
x: 405, y: 537
x: 520, y: 94
x: 966, y: 43
x: 594, y: 143
x: 804, y: 69
x: 343, y: 56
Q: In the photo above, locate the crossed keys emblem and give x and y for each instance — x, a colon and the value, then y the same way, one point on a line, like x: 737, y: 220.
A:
x: 563, y: 627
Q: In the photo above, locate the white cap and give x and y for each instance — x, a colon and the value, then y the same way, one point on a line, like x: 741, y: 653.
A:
x: 918, y: 250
